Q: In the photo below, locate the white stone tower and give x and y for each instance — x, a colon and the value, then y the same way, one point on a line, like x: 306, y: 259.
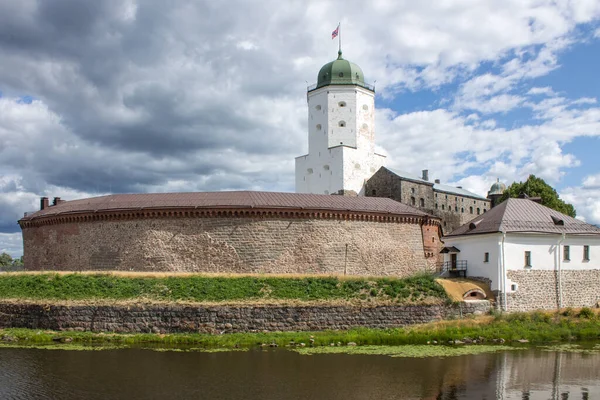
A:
x: 341, y: 133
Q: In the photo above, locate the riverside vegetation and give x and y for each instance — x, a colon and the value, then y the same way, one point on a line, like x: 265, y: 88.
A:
x: 488, y: 333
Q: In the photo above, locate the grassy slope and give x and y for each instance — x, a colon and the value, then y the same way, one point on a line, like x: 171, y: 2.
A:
x: 203, y: 288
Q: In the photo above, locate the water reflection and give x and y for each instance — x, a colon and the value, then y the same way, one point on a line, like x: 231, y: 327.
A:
x: 144, y: 374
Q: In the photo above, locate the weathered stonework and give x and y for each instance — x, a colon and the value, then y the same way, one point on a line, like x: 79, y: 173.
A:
x: 224, y: 319
x: 454, y: 210
x: 223, y: 243
x: 539, y: 289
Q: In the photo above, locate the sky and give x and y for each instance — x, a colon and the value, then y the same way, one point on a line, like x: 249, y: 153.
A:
x: 125, y: 96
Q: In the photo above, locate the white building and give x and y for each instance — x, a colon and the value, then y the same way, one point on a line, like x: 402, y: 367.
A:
x: 533, y: 256
x: 341, y: 132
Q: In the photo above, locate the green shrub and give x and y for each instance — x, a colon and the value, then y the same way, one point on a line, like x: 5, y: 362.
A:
x: 568, y: 312
x: 586, y: 313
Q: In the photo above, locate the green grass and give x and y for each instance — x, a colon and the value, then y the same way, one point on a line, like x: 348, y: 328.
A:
x: 202, y: 288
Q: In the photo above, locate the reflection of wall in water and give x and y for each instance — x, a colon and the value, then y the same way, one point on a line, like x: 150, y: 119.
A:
x: 548, y: 375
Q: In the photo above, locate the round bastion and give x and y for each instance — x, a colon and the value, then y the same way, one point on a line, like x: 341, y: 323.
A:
x: 231, y: 232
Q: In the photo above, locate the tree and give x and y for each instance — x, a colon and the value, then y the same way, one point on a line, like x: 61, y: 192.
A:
x: 7, y: 263
x: 536, y: 187
x: 5, y: 260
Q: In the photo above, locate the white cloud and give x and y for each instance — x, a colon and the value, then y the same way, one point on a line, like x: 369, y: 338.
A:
x: 585, y: 198
x: 144, y: 96
x: 546, y: 90
x: 11, y: 243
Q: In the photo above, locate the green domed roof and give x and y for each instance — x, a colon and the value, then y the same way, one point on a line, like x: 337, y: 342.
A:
x: 341, y: 72
x: 497, y: 188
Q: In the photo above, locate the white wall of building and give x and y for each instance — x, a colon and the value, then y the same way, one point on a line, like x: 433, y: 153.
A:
x: 473, y: 249
x: 547, y: 250
x: 341, y: 141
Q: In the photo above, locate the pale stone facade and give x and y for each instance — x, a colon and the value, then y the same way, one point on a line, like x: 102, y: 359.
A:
x: 547, y: 289
x: 228, y: 244
x: 341, y: 141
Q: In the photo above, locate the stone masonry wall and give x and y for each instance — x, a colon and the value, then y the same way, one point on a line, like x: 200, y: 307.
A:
x: 538, y: 289
x: 224, y: 319
x: 228, y: 244
x: 454, y: 210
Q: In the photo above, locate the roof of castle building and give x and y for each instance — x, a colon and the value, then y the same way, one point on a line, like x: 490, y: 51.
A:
x: 436, y: 186
x: 228, y: 200
x: 524, y: 215
x: 341, y: 72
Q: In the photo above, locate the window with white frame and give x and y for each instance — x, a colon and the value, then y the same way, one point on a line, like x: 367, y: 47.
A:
x: 528, y: 259
x: 486, y: 257
x: 566, y: 253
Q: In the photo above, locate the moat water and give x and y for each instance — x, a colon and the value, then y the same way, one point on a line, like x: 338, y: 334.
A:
x: 278, y: 374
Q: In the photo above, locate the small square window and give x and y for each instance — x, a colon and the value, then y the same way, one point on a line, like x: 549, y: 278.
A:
x: 586, y: 253
x: 566, y: 253
x: 528, y: 259
x: 486, y: 257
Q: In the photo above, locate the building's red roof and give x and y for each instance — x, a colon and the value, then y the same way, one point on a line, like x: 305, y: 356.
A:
x: 224, y: 200
x: 524, y: 215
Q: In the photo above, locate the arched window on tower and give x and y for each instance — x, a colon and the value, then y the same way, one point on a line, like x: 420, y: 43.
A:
x: 412, y: 201
x: 342, y: 124
x: 422, y: 202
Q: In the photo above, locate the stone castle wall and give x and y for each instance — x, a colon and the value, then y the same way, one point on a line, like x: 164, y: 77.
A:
x: 454, y: 210
x: 224, y: 319
x: 538, y: 289
x: 229, y: 244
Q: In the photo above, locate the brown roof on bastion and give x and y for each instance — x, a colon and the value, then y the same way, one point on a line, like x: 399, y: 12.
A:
x: 227, y: 200
x: 524, y: 215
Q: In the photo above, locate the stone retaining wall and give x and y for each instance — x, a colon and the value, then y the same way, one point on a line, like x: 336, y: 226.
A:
x: 229, y: 244
x: 539, y: 289
x: 224, y: 319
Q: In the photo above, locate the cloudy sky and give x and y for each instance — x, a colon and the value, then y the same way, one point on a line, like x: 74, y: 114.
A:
x: 123, y: 96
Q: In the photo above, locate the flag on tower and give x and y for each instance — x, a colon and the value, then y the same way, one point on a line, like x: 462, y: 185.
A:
x: 335, y: 33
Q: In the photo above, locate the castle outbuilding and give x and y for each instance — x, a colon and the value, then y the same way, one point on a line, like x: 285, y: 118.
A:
x: 454, y: 205
x: 534, y: 257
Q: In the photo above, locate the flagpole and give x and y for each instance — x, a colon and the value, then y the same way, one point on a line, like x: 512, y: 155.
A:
x: 340, y: 36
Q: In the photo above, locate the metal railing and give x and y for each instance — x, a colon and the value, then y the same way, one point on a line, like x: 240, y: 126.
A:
x: 458, y: 267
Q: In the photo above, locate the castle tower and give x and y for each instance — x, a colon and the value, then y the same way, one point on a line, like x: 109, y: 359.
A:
x: 341, y: 132
x: 496, y: 192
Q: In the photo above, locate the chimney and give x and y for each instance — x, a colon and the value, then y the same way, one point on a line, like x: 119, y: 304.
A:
x: 425, y: 174
x: 437, y: 181
x: 56, y: 201
x: 44, y: 203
